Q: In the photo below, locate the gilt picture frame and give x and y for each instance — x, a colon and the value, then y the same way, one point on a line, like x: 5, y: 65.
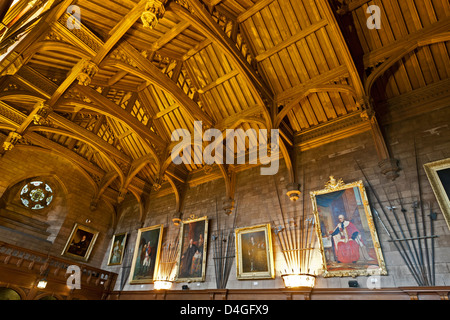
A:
x: 348, y: 239
x: 438, y: 173
x: 192, y: 250
x: 146, y: 256
x: 80, y: 242
x: 117, y: 250
x: 254, y: 253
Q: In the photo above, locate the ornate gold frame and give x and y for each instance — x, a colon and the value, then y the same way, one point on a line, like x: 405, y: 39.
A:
x: 136, y: 252
x: 270, y: 273
x: 431, y: 170
x: 180, y: 250
x: 334, y: 185
x: 77, y: 227
x: 125, y: 234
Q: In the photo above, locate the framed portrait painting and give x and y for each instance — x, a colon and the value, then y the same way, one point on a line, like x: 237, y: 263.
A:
x: 347, y: 236
x: 192, y: 250
x: 117, y: 250
x: 80, y: 242
x: 254, y: 253
x: 438, y: 174
x: 146, y: 255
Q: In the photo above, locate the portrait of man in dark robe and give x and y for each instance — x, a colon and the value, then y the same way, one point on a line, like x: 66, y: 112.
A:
x: 192, y: 246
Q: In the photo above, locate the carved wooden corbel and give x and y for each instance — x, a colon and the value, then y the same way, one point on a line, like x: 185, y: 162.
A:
x: 10, y: 141
x: 41, y: 116
x: 122, y: 193
x: 388, y: 165
x: 230, y: 184
x: 290, y: 158
x: 154, y: 11
x: 88, y: 70
x: 180, y: 191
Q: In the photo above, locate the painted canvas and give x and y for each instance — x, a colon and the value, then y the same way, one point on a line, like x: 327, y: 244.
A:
x: 438, y: 174
x: 347, y: 234
x: 192, y: 250
x: 147, y: 250
x: 254, y: 253
x: 117, y: 251
x: 80, y: 243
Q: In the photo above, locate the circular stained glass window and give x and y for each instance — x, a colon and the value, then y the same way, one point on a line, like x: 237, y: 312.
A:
x: 36, y: 195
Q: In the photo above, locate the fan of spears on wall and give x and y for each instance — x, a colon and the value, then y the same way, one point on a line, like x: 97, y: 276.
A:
x: 343, y: 224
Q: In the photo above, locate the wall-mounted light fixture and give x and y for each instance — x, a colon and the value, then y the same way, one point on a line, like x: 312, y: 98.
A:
x: 42, y: 284
x: 299, y: 280
x: 162, y: 285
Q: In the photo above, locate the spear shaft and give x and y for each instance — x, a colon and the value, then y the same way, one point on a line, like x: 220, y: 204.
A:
x: 422, y: 211
x: 402, y: 251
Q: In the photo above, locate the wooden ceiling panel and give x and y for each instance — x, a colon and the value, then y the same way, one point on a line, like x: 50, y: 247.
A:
x: 417, y: 69
x: 103, y: 15
x: 225, y: 61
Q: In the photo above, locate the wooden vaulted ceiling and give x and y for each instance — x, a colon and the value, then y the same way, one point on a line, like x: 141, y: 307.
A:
x: 287, y: 64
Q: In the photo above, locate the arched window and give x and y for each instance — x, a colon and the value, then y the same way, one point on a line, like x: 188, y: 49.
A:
x: 36, y: 195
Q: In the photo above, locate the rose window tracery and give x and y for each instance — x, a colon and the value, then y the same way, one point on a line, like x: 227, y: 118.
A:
x: 36, y: 195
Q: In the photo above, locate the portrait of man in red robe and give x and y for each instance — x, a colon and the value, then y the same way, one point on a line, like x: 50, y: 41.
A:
x: 345, y: 233
x: 349, y: 245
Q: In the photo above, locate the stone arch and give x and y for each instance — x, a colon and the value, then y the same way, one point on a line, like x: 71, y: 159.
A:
x: 43, y: 224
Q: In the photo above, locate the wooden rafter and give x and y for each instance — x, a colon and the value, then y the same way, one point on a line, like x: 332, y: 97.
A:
x: 150, y: 73
x: 114, y: 36
x: 209, y: 27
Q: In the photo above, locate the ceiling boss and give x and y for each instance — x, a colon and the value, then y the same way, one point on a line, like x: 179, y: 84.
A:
x: 154, y: 10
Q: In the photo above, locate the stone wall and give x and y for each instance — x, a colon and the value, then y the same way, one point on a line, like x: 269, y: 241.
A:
x: 75, y: 191
x: 257, y: 201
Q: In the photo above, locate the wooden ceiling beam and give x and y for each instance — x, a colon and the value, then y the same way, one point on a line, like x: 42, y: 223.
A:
x: 145, y: 96
x: 91, y: 65
x: 166, y: 111
x: 218, y: 81
x: 293, y: 39
x: 171, y: 34
x: 230, y: 122
x: 98, y: 142
x: 292, y: 93
x: 40, y: 140
x: 119, y: 30
x: 122, y: 115
x: 149, y: 72
x: 39, y: 31
x: 199, y: 47
x: 400, y: 53
x: 429, y: 33
x: 203, y: 21
x: 258, y: 6
x: 15, y: 118
x: 116, y: 78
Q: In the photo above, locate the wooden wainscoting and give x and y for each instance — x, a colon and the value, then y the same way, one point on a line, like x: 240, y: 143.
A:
x: 403, y: 293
